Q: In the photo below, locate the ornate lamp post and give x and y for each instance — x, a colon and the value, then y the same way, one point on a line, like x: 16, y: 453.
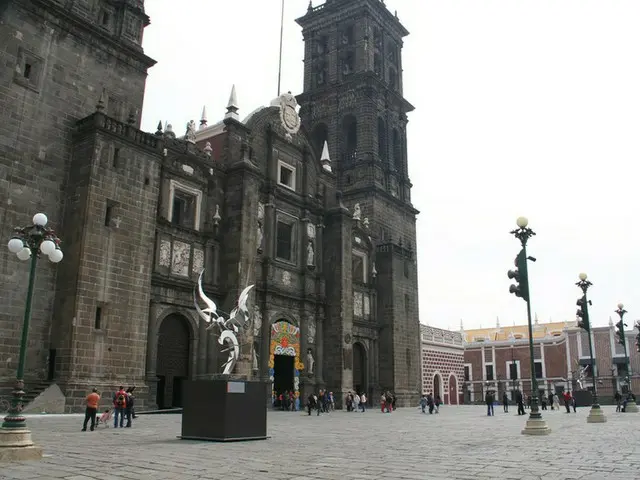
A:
x: 595, y: 414
x: 535, y: 424
x: 27, y: 243
x: 631, y: 404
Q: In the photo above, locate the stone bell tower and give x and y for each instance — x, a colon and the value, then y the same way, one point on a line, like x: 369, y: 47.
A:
x: 353, y: 99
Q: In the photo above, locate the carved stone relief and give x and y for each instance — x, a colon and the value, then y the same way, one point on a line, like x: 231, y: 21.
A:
x: 198, y: 261
x: 367, y: 306
x: 311, y: 331
x: 165, y: 253
x: 180, y: 263
x: 357, y: 304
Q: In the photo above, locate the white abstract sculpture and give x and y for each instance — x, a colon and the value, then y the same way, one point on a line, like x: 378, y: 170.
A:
x: 238, y: 318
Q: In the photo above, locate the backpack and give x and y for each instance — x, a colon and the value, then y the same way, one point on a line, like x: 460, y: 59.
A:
x: 121, y: 401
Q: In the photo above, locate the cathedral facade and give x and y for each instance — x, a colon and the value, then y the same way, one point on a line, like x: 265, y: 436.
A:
x: 308, y: 199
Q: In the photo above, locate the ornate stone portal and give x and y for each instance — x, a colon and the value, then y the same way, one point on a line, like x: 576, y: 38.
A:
x: 285, y: 340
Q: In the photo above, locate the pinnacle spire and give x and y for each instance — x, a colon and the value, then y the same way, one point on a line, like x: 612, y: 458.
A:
x: 325, y: 160
x: 232, y: 106
x: 100, y: 105
x: 203, y: 117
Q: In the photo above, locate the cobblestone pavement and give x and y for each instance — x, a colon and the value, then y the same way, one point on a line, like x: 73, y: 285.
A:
x: 459, y: 443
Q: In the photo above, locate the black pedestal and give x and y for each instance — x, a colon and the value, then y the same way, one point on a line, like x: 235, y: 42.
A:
x: 224, y: 410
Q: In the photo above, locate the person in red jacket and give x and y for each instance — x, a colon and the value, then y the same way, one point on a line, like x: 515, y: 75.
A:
x: 567, y: 400
x: 119, y: 407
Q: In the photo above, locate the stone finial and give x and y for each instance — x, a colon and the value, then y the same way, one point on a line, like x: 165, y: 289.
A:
x: 203, y: 118
x: 535, y: 320
x: 310, y: 7
x: 498, y: 323
x: 365, y: 222
x: 610, y: 321
x: 168, y: 131
x: 208, y: 150
x: 216, y: 216
x: 159, y: 129
x: 232, y: 106
x: 374, y: 272
x: 101, y: 102
x: 325, y: 160
x: 461, y: 326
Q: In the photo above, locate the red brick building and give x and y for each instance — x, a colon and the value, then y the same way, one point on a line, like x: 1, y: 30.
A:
x: 442, y: 363
x: 499, y: 359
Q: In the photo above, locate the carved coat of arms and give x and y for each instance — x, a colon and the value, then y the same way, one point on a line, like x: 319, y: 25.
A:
x: 288, y: 113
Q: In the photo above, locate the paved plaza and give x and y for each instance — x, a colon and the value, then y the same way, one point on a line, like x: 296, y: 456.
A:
x: 459, y: 443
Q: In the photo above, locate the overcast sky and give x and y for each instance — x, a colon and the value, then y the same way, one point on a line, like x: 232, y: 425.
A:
x: 523, y: 107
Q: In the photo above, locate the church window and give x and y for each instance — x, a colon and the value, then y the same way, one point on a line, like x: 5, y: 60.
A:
x: 104, y: 18
x: 349, y: 139
x: 513, y: 371
x: 286, y: 175
x: 97, y: 324
x: 347, y: 37
x: 397, y: 149
x: 320, y: 134
x: 359, y: 267
x: 184, y: 205
x: 284, y: 241
x: 183, y: 209
x: 393, y: 78
x: 377, y: 64
x: 28, y: 69
x: 467, y: 373
x: 348, y: 64
x: 382, y: 139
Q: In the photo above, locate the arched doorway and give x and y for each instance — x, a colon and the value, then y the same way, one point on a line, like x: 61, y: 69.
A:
x: 453, y: 390
x: 284, y: 361
x: 360, y: 369
x: 174, y: 355
x: 437, y: 386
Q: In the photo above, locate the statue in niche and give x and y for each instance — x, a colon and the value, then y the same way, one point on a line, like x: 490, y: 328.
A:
x: 257, y: 321
x: 190, y: 136
x: 260, y: 233
x: 260, y: 229
x: 310, y: 361
x: 255, y: 358
x: 357, y: 213
x: 310, y: 255
x: 311, y: 331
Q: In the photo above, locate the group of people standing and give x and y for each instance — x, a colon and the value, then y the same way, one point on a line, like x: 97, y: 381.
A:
x: 123, y: 403
x: 552, y: 400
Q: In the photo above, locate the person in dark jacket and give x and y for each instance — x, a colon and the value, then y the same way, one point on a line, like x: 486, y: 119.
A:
x: 505, y: 402
x: 488, y: 398
x: 520, y: 402
x: 129, y: 411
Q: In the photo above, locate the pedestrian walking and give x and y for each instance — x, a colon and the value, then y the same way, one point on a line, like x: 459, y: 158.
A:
x: 505, y: 402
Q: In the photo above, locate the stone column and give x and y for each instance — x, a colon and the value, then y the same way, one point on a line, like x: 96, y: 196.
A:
x: 319, y: 366
x: 152, y: 355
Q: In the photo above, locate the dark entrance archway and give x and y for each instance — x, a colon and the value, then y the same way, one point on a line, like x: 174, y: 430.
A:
x: 437, y: 386
x: 360, y: 369
x: 453, y: 390
x: 283, y: 370
x: 174, y: 355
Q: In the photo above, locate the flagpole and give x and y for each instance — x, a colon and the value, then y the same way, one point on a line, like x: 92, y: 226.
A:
x: 281, y: 34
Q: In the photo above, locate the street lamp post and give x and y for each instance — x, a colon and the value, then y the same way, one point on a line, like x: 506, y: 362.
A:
x: 28, y: 243
x: 596, y: 415
x: 631, y: 404
x: 535, y: 424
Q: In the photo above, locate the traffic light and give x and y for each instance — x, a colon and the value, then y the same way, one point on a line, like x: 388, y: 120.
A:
x: 583, y: 314
x: 521, y: 288
x: 620, y: 332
